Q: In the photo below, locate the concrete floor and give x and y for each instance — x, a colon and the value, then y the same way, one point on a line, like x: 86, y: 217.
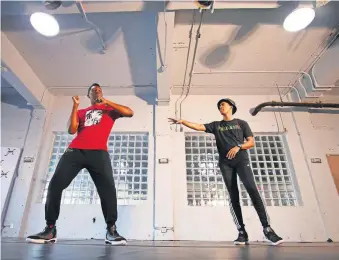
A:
x: 95, y: 249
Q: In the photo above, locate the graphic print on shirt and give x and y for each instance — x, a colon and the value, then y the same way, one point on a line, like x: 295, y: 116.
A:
x: 93, y: 117
x: 227, y: 128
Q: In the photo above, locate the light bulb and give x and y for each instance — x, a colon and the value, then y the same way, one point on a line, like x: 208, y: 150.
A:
x: 299, y: 19
x: 45, y: 24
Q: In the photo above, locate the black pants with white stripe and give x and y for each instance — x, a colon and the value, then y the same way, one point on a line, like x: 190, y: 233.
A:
x: 241, y: 165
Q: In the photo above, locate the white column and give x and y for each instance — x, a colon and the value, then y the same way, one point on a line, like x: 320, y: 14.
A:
x: 163, y: 206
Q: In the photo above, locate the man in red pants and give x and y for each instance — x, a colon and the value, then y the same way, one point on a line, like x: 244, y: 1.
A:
x: 87, y: 150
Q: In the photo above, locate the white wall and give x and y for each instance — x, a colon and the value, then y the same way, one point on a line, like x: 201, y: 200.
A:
x: 15, y: 118
x: 21, y: 127
x: 302, y: 223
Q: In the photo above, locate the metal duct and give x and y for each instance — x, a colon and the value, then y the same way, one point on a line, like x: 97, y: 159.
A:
x: 94, y: 26
x: 293, y: 104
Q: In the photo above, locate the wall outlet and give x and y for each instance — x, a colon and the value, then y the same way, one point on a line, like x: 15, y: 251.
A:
x: 9, y: 225
x: 315, y: 160
x: 28, y: 159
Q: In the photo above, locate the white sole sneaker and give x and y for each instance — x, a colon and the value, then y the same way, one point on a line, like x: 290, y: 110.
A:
x: 116, y: 243
x: 275, y: 243
x: 41, y: 241
x: 278, y: 243
x: 241, y: 243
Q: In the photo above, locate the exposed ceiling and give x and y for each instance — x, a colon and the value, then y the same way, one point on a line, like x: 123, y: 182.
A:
x: 72, y: 59
x: 242, y: 40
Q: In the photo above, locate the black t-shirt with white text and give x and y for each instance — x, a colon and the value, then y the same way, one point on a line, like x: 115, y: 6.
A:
x: 228, y: 134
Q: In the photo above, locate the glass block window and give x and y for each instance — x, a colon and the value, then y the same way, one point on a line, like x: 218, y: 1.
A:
x: 272, y: 172
x: 129, y: 157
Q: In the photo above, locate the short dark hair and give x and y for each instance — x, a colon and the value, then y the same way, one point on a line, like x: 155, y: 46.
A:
x: 93, y: 85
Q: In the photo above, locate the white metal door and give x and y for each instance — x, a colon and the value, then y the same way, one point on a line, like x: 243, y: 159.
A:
x: 9, y: 161
x: 196, y: 222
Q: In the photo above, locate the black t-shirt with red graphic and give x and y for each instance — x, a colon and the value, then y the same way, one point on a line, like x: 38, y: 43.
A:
x: 228, y: 134
x: 95, y: 125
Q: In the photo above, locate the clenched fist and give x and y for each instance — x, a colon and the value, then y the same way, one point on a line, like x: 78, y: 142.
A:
x: 76, y: 100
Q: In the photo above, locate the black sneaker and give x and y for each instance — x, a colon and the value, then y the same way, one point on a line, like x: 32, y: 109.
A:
x: 272, y: 236
x: 113, y: 237
x: 48, y: 235
x: 242, y: 238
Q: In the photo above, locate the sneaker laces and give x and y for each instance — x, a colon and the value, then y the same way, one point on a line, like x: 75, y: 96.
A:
x: 269, y: 232
x: 46, y: 230
x: 113, y: 230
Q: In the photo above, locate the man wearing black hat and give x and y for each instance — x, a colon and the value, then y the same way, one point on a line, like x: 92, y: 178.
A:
x: 87, y: 150
x: 230, y: 134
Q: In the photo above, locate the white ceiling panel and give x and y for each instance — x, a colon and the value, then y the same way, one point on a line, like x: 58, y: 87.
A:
x: 72, y: 59
x: 247, y: 40
x: 241, y: 40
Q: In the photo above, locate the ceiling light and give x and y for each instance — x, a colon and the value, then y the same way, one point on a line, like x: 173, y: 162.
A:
x: 299, y: 19
x: 45, y: 24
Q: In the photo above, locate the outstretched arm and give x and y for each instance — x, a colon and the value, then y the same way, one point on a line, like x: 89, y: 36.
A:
x: 194, y: 126
x: 123, y: 110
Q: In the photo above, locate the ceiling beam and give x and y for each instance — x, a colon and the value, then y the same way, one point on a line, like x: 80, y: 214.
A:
x: 28, y: 7
x: 164, y: 41
x: 140, y: 90
x: 325, y: 71
x: 20, y: 75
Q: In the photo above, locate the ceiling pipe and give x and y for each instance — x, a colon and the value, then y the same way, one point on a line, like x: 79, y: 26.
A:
x: 293, y: 104
x: 95, y: 27
x: 301, y: 73
x: 288, y: 88
x: 197, y: 37
x: 258, y: 71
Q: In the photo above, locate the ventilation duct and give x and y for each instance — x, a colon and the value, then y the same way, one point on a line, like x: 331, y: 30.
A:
x: 293, y: 104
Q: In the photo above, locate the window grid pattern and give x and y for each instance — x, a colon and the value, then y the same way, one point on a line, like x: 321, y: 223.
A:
x: 129, y: 158
x: 272, y: 173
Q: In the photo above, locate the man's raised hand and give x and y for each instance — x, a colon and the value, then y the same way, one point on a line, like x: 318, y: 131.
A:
x: 175, y: 121
x: 76, y: 100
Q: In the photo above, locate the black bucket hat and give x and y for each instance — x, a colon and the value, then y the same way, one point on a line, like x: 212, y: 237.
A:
x: 230, y: 102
